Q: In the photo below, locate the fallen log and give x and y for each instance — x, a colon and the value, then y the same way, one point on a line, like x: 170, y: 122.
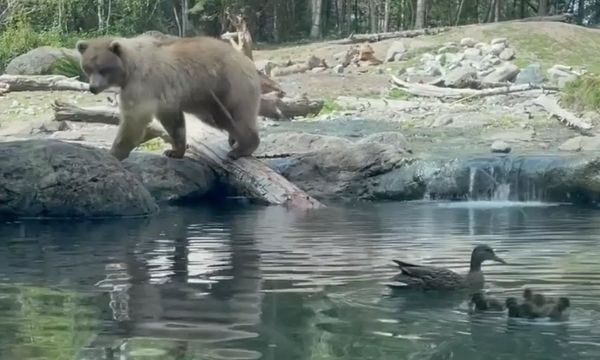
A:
x: 42, y: 83
x: 363, y: 104
x: 274, y: 107
x: 550, y: 104
x: 426, y: 90
x: 251, y: 176
x: 358, y: 38
x: 109, y: 115
x: 566, y: 18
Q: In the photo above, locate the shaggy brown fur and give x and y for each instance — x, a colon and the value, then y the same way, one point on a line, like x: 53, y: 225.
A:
x: 201, y: 75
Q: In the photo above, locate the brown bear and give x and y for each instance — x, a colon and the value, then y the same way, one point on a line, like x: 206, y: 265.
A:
x: 200, y: 75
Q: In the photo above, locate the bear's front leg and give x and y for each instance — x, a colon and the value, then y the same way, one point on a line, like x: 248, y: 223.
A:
x: 130, y: 133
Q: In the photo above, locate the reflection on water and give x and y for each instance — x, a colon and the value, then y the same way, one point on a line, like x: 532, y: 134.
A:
x: 264, y: 283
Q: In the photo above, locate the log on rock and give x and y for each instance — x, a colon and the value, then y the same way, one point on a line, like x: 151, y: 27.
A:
x: 550, y: 104
x: 274, y: 107
x: 353, y: 39
x: 42, y: 83
x: 426, y: 90
x: 249, y: 175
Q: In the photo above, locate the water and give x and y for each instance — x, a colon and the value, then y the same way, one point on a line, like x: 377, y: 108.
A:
x: 263, y: 283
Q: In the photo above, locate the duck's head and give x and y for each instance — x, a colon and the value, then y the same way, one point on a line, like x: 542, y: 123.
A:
x: 477, y: 298
x: 563, y: 303
x: 482, y: 253
x: 511, y: 303
x: 527, y: 294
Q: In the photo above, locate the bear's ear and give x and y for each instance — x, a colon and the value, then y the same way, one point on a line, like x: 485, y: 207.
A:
x: 81, y: 46
x: 115, y: 47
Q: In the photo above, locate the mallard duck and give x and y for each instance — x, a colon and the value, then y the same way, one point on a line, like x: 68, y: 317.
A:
x: 559, y: 310
x: 483, y: 303
x: 436, y: 278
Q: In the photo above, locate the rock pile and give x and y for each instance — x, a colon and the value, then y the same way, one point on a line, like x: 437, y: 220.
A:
x: 472, y: 64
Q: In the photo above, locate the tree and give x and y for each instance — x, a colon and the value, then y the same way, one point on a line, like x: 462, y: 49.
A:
x: 420, y: 14
x: 315, y: 29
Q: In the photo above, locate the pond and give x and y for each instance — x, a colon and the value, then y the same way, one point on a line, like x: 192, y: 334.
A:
x: 265, y: 283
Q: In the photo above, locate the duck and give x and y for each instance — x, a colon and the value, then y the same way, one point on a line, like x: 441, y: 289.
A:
x: 425, y: 278
x: 483, y: 303
x: 516, y: 310
x: 543, y: 306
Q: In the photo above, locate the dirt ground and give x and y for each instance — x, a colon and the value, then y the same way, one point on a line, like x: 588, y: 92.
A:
x: 473, y: 124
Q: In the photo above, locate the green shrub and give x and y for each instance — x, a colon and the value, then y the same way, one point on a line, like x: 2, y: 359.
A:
x: 583, y: 94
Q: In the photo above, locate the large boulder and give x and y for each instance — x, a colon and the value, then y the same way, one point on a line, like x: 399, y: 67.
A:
x: 349, y: 173
x: 172, y: 180
x: 40, y: 61
x: 50, y: 178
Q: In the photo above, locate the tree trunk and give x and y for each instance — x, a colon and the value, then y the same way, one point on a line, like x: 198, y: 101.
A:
x: 315, y: 29
x: 580, y: 11
x: 373, y: 16
x: 386, y: 16
x: 543, y: 8
x: 420, y: 15
x: 496, y: 10
x: 460, y: 7
x: 184, y: 17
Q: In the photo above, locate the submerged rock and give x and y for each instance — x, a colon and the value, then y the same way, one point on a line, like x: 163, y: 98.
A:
x: 50, y: 178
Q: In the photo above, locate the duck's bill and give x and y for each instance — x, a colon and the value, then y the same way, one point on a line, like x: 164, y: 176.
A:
x: 499, y: 259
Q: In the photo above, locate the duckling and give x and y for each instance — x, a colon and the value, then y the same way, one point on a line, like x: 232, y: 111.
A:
x: 486, y: 304
x: 560, y: 310
x: 421, y: 277
x: 517, y: 310
x: 542, y: 306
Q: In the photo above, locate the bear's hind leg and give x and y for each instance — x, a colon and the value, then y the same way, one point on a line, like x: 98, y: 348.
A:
x: 174, y: 124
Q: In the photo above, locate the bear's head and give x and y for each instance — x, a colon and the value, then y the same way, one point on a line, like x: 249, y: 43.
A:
x: 102, y: 62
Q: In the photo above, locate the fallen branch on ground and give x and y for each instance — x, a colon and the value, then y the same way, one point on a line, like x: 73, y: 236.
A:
x: 550, y: 104
x: 274, y: 107
x: 42, y: 83
x: 353, y: 39
x: 567, y: 18
x: 361, y: 103
x: 251, y: 176
x: 426, y: 90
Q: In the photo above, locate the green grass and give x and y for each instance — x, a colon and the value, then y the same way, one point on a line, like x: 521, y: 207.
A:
x: 156, y: 144
x: 399, y: 94
x: 329, y: 106
x: 582, y: 94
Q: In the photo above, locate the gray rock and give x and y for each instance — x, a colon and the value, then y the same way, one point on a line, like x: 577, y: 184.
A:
x: 352, y: 174
x: 472, y: 54
x: 397, y: 48
x: 392, y: 138
x: 561, y: 75
x: 286, y: 143
x: 50, y: 178
x: 497, y: 49
x: 531, y: 74
x: 40, y: 61
x: 317, y: 70
x: 500, y: 146
x: 453, y: 49
x: 581, y: 143
x: 468, y: 42
x: 427, y: 57
x: 68, y: 135
x: 433, y: 68
x: 401, y: 56
x: 338, y: 69
x: 441, y: 121
x: 172, y: 180
x: 487, y: 62
x: 501, y: 40
x: 460, y: 77
x: 507, y: 54
x: 505, y: 72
